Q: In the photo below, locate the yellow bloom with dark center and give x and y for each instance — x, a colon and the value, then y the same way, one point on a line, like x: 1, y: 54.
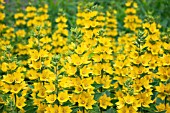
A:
x: 45, y: 75
x: 153, y: 28
x: 42, y: 93
x: 104, y: 101
x: 121, y: 103
x: 76, y: 60
x: 78, y: 89
x: 90, y: 102
x: 84, y: 72
x: 36, y: 65
x: 166, y: 60
x: 50, y: 87
x: 20, y: 102
x: 34, y: 54
x: 63, y: 96
x: 106, y: 81
x: 51, y: 109
x: 124, y: 109
x: 9, y: 78
x: 107, y: 68
x: 160, y: 88
x: 12, y: 66
x: 80, y: 50
x: 16, y: 88
x: 32, y: 74
x: 70, y: 70
x: 129, y: 99
x: 82, y: 101
x: 18, y: 77
x: 51, y: 98
x: 136, y: 104
x: 64, y: 109
x: 86, y: 83
x: 160, y: 107
x: 74, y: 98
x: 146, y: 100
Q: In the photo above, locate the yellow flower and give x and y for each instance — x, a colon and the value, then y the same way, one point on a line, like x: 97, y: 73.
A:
x: 107, y: 68
x: 49, y: 87
x: 80, y: 50
x: 160, y: 107
x: 21, y: 33
x: 1, y: 101
x: 105, y: 101
x: 20, y: 102
x: 12, y: 66
x: 106, y: 81
x: 6, y: 88
x: 2, y: 16
x: 160, y: 88
x: 74, y: 98
x: 78, y: 89
x: 63, y: 96
x: 128, y: 3
x: 64, y: 109
x: 129, y: 99
x: 84, y: 72
x: 136, y: 104
x: 90, y: 102
x: 152, y: 28
x: 51, y: 109
x: 124, y: 109
x: 86, y: 83
x: 4, y: 67
x: 51, y: 98
x: 120, y: 103
x: 45, y: 75
x: 18, y: 77
x: 9, y: 78
x: 42, y: 93
x: 146, y: 101
x: 61, y: 19
x: 76, y: 60
x: 82, y: 101
x: 36, y: 65
x: 166, y: 60
x: 16, y: 88
x: 34, y: 55
x: 167, y: 108
x: 70, y: 70
x: 32, y: 74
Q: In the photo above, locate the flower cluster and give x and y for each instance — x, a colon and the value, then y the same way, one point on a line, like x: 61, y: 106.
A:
x: 92, y: 68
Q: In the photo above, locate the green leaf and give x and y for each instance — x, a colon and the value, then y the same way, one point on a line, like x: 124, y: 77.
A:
x: 155, y: 93
x: 113, y: 81
x: 95, y: 109
x: 30, y: 109
x: 97, y: 85
x: 111, y: 110
x: 91, y: 55
x: 1, y: 108
x: 97, y: 95
x: 159, y: 101
x: 107, y: 93
x: 75, y: 109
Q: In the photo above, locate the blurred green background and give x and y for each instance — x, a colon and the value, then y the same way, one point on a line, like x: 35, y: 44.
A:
x: 159, y: 9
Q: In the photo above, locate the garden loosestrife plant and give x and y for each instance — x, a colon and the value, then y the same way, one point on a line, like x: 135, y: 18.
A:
x: 131, y: 20
x: 84, y: 60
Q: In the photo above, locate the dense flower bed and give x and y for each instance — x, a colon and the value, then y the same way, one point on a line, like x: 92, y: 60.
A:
x: 93, y: 68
